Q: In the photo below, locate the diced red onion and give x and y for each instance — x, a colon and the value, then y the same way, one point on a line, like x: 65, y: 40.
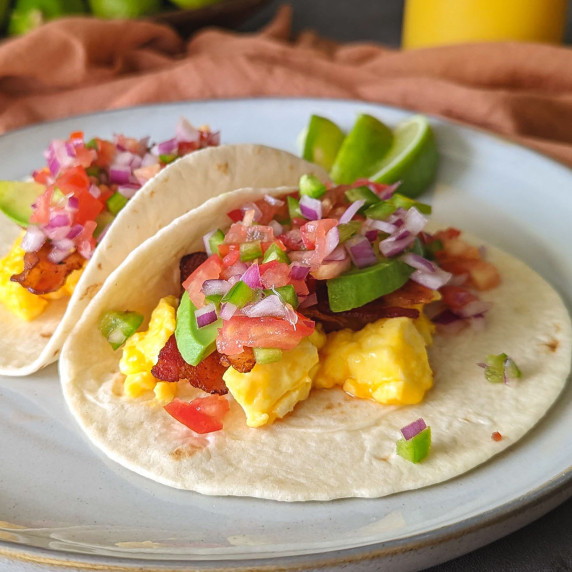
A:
x: 206, y: 315
x: 276, y: 227
x: 73, y: 204
x: 227, y: 311
x: 213, y: 138
x: 298, y: 271
x: 186, y: 132
x: 75, y: 230
x: 237, y: 269
x: 269, y: 306
x: 309, y: 300
x: 64, y: 244
x: 33, y: 240
x: 206, y: 241
x: 119, y: 174
x: 166, y: 147
x: 215, y: 286
x: 254, y: 207
x: 360, y: 251
x: 149, y: 159
x: 395, y: 244
x: 414, y: 221
x: 128, y: 190
x: 58, y: 220
x: 332, y: 240
x: 56, y: 255
x: 252, y: 276
x: 94, y: 191
x: 384, y: 192
x: 418, y: 262
x: 273, y: 201
x: 351, y: 211
x: 310, y: 208
x: 474, y: 308
x: 409, y: 431
x: 339, y: 253
x: 382, y: 225
x: 433, y: 280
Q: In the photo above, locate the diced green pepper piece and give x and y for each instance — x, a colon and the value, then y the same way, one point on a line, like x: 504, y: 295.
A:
x: 103, y: 220
x: 356, y: 288
x: 401, y: 201
x: 348, y: 229
x: 274, y: 252
x: 169, y: 158
x: 362, y: 193
x: 293, y: 208
x: 194, y: 343
x: 239, y: 295
x: 432, y: 247
x: 416, y: 448
x: 250, y: 250
x: 118, y: 327
x: 116, y: 202
x: 267, y: 355
x: 287, y: 294
x: 216, y: 240
x: 92, y: 144
x: 58, y: 196
x: 93, y: 171
x: 214, y: 299
x: 311, y: 186
x: 381, y: 210
x: 499, y: 368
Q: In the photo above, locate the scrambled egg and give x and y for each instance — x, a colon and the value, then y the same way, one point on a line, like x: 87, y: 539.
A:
x: 385, y: 361
x: 270, y: 391
x: 141, y: 351
x: 17, y: 299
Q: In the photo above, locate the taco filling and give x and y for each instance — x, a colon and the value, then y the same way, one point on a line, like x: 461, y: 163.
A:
x: 327, y: 286
x: 83, y: 187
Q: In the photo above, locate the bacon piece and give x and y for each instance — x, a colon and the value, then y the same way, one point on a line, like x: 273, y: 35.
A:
x: 207, y: 375
x: 190, y: 262
x: 243, y: 362
x: 41, y: 276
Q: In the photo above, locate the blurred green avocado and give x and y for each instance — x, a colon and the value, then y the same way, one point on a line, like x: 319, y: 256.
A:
x: 124, y: 8
x: 192, y: 4
x: 29, y: 14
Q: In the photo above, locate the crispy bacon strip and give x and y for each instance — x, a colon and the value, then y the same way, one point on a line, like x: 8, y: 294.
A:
x: 41, y: 276
x: 242, y: 362
x: 190, y: 262
x: 394, y: 305
x: 207, y: 375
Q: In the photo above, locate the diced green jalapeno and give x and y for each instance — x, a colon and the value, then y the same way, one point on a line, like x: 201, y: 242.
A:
x: 500, y: 368
x: 239, y: 295
x: 381, y: 210
x: 267, y: 355
x: 116, y: 202
x: 102, y: 220
x: 403, y: 202
x: 416, y: 448
x: 348, y: 229
x: 293, y: 208
x: 93, y: 171
x: 118, y: 327
x: 214, y: 299
x: 168, y: 158
x: 362, y: 193
x: 250, y: 250
x: 216, y: 240
x: 311, y: 186
x: 274, y: 252
x: 432, y: 247
x: 92, y: 144
x: 286, y: 293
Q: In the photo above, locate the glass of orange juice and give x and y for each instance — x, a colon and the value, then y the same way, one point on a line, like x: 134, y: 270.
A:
x: 437, y: 22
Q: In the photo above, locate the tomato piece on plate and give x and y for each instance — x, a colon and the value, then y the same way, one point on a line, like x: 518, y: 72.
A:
x: 265, y: 332
x: 202, y: 415
x: 210, y: 269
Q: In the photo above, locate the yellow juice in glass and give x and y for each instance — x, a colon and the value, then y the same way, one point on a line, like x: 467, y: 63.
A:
x: 437, y: 22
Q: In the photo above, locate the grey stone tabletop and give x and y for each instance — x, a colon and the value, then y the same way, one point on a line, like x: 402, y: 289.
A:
x: 546, y: 544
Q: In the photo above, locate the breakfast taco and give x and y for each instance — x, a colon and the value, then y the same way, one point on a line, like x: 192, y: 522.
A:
x: 314, y: 343
x: 63, y: 247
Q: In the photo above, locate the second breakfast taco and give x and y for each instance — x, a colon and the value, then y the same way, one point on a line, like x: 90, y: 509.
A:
x: 314, y: 343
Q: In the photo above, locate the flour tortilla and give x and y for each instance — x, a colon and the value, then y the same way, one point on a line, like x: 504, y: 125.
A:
x: 332, y: 445
x: 26, y: 347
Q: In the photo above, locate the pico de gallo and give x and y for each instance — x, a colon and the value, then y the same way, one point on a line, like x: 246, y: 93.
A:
x: 338, y: 256
x: 87, y: 183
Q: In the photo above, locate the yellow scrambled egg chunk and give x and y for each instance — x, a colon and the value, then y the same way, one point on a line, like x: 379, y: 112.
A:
x: 17, y: 299
x: 385, y: 361
x: 270, y: 391
x: 141, y: 352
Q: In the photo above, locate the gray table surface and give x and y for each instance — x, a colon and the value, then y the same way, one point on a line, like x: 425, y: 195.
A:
x: 546, y: 544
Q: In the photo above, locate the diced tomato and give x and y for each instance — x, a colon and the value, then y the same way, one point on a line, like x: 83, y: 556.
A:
x: 231, y: 258
x: 481, y: 274
x: 210, y: 269
x: 225, y: 248
x: 106, y: 151
x: 42, y: 176
x: 72, y: 180
x: 84, y: 156
x: 76, y: 136
x: 89, y: 207
x: 41, y: 212
x: 314, y: 232
x: 186, y: 147
x: 240, y: 332
x: 456, y: 297
x: 235, y: 215
x: 202, y: 415
x: 143, y: 174
x: 270, y: 212
x: 292, y: 239
x: 274, y: 274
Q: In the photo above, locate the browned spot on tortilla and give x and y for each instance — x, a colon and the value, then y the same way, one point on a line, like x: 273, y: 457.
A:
x: 152, y: 193
x: 46, y: 334
x: 384, y: 459
x: 91, y: 291
x: 55, y: 354
x: 99, y: 265
x: 181, y: 453
x: 223, y: 167
x: 552, y: 345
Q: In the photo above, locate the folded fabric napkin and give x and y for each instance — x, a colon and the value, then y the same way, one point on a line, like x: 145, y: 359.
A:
x: 78, y: 65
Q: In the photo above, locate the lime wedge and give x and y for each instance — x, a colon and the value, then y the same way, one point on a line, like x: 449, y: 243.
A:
x: 321, y: 141
x: 27, y: 15
x: 413, y: 158
x: 124, y: 8
x: 16, y: 199
x: 364, y: 147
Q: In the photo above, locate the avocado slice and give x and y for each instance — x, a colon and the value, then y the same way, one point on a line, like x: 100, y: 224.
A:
x: 356, y: 288
x: 194, y: 343
x: 17, y: 198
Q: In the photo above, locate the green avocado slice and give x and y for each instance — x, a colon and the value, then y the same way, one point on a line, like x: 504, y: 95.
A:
x: 358, y: 287
x: 17, y: 198
x: 194, y: 343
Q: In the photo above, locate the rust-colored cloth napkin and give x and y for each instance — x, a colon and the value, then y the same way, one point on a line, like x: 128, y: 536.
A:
x: 73, y: 66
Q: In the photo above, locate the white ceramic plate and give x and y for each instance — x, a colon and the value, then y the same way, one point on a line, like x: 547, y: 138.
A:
x: 62, y: 502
